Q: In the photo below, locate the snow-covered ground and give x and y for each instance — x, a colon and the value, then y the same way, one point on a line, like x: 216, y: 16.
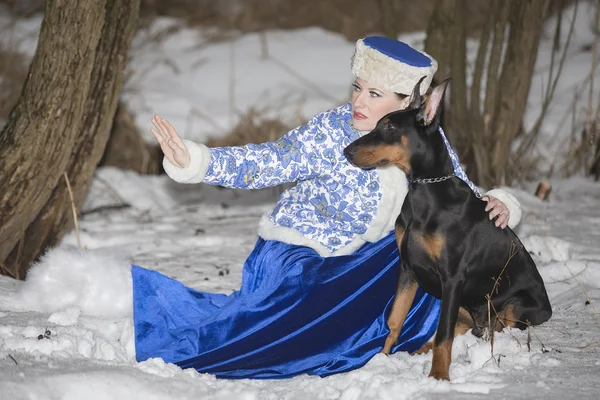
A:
x: 201, y: 235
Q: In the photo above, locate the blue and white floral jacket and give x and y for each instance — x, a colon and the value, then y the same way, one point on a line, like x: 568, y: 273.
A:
x: 335, y: 207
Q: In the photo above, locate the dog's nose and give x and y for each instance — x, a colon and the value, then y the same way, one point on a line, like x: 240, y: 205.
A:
x: 349, y: 152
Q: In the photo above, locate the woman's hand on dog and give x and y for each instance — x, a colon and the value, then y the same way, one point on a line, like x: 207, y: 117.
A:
x: 498, y: 209
x: 170, y: 142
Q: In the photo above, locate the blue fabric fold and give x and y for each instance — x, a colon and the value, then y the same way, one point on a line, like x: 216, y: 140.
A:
x: 296, y: 312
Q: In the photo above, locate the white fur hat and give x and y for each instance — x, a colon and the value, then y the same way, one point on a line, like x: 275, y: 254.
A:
x: 392, y: 65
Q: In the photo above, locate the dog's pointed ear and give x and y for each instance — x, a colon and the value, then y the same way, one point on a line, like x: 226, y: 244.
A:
x: 433, y: 104
x: 415, y: 97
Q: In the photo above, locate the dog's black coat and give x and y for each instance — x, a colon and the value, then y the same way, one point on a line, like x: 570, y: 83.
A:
x: 447, y: 243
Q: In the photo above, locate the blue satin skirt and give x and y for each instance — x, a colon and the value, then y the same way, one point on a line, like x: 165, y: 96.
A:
x: 296, y: 313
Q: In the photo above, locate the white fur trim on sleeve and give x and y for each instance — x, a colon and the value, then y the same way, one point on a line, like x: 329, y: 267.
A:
x: 199, y: 163
x: 511, y: 202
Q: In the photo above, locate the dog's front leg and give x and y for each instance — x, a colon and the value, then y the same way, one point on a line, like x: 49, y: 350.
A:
x: 442, y: 346
x: 405, y: 294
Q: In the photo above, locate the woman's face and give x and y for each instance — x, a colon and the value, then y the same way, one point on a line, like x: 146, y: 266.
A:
x: 370, y: 103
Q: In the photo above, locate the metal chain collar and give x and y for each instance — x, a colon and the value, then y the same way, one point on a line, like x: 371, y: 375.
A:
x: 433, y: 180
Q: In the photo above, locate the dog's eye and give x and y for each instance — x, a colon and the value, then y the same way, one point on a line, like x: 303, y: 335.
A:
x: 388, y: 131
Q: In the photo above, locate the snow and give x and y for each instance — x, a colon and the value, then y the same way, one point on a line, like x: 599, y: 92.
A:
x: 99, y: 284
x: 66, y: 333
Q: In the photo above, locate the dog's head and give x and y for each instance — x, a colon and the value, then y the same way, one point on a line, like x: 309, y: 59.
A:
x: 402, y: 138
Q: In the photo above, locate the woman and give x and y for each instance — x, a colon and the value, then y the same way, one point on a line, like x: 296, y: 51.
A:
x: 318, y: 285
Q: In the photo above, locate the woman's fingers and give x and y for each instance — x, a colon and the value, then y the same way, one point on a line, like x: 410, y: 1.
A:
x: 167, y: 131
x: 175, y: 147
x: 157, y: 122
x: 157, y: 135
x: 494, y: 212
x: 496, y: 208
x: 172, y: 133
x: 170, y: 142
x: 488, y: 199
x: 182, y: 155
x: 165, y: 147
x: 502, y: 221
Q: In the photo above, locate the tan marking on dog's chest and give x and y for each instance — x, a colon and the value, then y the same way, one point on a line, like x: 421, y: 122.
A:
x: 433, y: 244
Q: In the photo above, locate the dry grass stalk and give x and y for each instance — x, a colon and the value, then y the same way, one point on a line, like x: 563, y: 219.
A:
x: 255, y: 129
x: 585, y: 293
x: 592, y: 128
x: 73, y: 209
x: 145, y: 155
x: 264, y: 46
x: 23, y: 8
x: 584, y: 153
x: 231, y: 80
x: 579, y: 144
x: 584, y: 149
x: 593, y: 67
x: 20, y: 251
x: 127, y: 149
x: 307, y: 82
x: 514, y: 248
x: 589, y: 302
x: 545, y: 234
x: 111, y: 190
x: 196, y: 112
x: 529, y: 139
x: 251, y: 128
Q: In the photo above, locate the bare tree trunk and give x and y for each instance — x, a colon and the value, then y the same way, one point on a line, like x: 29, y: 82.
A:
x: 459, y: 120
x: 478, y: 153
x: 446, y: 42
x: 501, y: 12
x: 526, y: 18
x: 390, y: 10
x: 595, y: 168
x: 483, y: 130
x: 437, y: 42
x: 61, y: 123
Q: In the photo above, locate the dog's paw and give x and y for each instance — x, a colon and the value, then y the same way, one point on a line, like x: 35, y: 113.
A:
x: 440, y: 375
x: 477, y: 331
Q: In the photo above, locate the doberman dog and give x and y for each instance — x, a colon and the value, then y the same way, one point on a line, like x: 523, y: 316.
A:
x: 448, y: 245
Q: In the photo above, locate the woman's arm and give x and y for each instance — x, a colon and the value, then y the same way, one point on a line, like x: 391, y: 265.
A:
x: 253, y: 166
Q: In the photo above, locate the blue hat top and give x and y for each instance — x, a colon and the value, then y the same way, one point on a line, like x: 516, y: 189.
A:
x: 398, y: 51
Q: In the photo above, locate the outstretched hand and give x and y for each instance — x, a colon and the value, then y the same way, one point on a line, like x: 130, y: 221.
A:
x: 170, y: 143
x: 498, y: 209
